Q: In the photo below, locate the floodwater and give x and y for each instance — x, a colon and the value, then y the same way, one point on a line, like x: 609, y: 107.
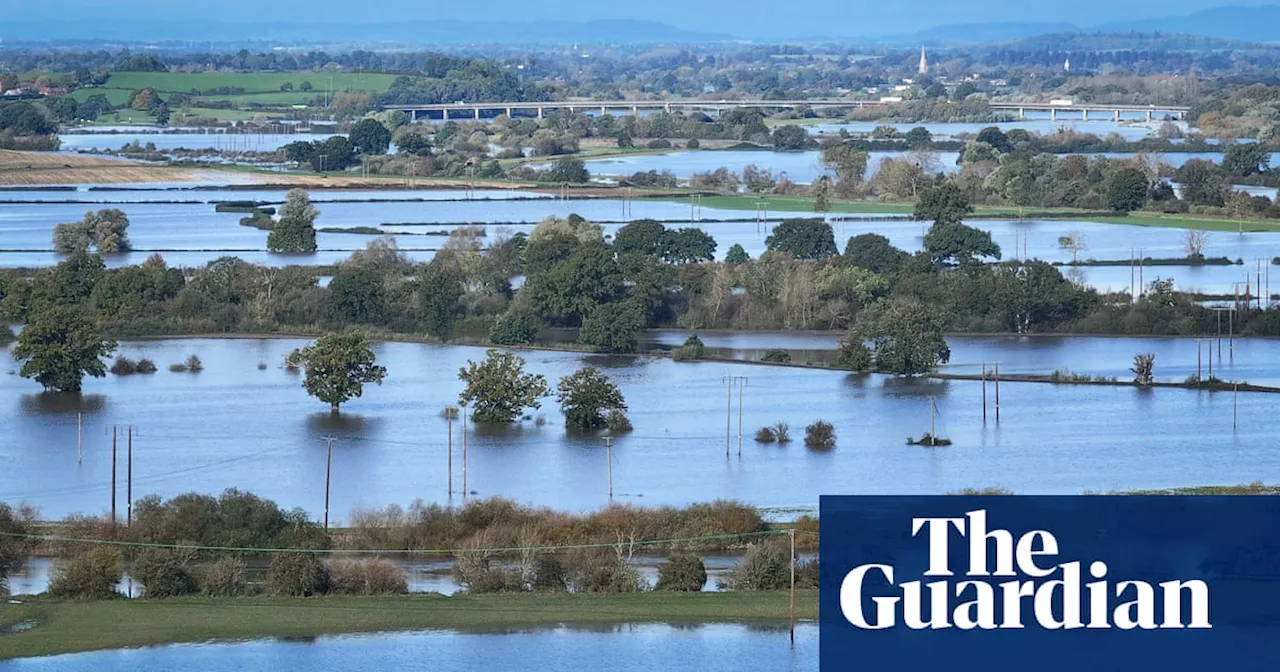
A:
x: 621, y: 648
x: 193, y: 233
x: 1132, y: 127
x: 254, y: 142
x: 234, y: 425
x: 804, y: 167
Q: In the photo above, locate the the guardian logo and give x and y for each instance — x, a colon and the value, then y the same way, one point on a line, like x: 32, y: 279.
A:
x: 1023, y: 578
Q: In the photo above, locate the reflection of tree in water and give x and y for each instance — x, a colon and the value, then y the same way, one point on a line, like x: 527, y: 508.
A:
x: 504, y: 430
x: 344, y: 423
x: 297, y: 639
x: 909, y: 387
x: 612, y: 361
x: 60, y: 403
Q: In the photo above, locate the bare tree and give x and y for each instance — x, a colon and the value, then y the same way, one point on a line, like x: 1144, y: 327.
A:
x: 1143, y: 365
x: 1194, y: 243
x: 1073, y: 242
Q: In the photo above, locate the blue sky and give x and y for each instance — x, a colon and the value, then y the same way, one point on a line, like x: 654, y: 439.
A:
x: 746, y: 18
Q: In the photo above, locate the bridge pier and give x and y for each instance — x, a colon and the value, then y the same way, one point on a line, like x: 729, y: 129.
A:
x: 1148, y: 115
x: 1085, y: 113
x: 1115, y: 116
x: 539, y: 113
x: 603, y: 111
x: 635, y: 110
x: 666, y: 107
x: 477, y: 114
x: 1053, y: 115
x: 1022, y: 113
x: 508, y: 113
x: 445, y: 112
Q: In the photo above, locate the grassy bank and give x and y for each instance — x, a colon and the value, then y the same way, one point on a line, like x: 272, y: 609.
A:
x: 67, y: 627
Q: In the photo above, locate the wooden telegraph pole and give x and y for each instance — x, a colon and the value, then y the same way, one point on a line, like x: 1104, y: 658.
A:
x: 984, y: 391
x: 464, y: 451
x: 328, y: 475
x: 113, y: 474
x: 129, y: 482
x: 448, y: 419
x: 791, y: 607
x: 80, y: 438
x: 608, y: 445
x: 742, y: 382
x: 997, y: 392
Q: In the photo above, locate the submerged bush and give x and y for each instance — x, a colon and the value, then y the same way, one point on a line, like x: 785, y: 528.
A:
x: 617, y: 421
x: 123, y: 366
x: 164, y: 573
x: 820, y: 434
x: 692, y: 349
x: 145, y: 365
x: 776, y: 356
x: 766, y: 435
x: 764, y: 567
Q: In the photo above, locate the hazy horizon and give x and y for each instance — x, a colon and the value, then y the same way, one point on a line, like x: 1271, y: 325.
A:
x: 747, y: 18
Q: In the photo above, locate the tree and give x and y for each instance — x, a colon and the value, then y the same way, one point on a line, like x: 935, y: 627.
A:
x: 498, y: 389
x: 850, y: 164
x: 736, y: 256
x: 853, y: 354
x: 918, y: 138
x: 60, y: 347
x: 1143, y: 366
x: 688, y: 245
x: 1194, y: 243
x: 337, y: 367
x: 295, y: 231
x: 440, y: 294
x: 1203, y: 183
x: 106, y: 230
x: 803, y: 239
x: 89, y: 575
x: 305, y: 86
x: 356, y: 295
x: 416, y: 144
x: 947, y: 204
x: 1126, y: 189
x: 958, y: 243
x: 907, y: 338
x: 14, y: 547
x: 612, y: 327
x: 369, y: 136
x: 335, y: 153
x: 993, y: 136
x: 286, y: 87
x: 567, y: 170
x: 790, y: 137
x: 1247, y: 158
x: 586, y: 396
x: 643, y: 236
x: 682, y: 573
x: 874, y: 252
x: 822, y: 192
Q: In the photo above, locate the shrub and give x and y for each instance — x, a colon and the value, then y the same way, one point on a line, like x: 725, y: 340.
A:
x: 123, y: 366
x: 820, y: 434
x: 766, y: 435
x: 693, y: 348
x: 178, y: 368
x: 782, y: 431
x: 776, y: 356
x: 90, y: 575
x: 692, y: 144
x: 194, y: 364
x: 164, y: 573
x: 683, y: 573
x: 145, y: 365
x: 367, y: 577
x: 764, y: 567
x: 601, y: 570
x: 297, y: 575
x: 262, y: 366
x: 549, y: 575
x: 617, y: 421
x: 515, y: 327
x: 224, y: 578
x: 659, y: 143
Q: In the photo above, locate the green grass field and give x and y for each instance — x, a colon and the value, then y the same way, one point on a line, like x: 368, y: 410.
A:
x: 66, y: 627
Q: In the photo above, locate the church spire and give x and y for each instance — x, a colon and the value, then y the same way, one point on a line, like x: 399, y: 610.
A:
x: 924, y: 63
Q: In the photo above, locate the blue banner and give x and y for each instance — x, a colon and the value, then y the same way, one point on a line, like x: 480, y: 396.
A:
x: 1050, y: 583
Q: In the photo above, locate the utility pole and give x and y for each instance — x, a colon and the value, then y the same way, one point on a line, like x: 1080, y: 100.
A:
x: 328, y: 475
x: 791, y: 607
x: 997, y: 393
x: 1235, y: 409
x: 608, y: 445
x: 742, y: 383
x: 1141, y: 282
x: 113, y: 474
x: 984, y: 391
x: 1199, y: 345
x: 449, y: 412
x: 80, y: 438
x: 129, y: 482
x: 464, y: 451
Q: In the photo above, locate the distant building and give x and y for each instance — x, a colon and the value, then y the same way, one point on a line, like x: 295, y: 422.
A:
x: 924, y: 63
x: 1066, y: 65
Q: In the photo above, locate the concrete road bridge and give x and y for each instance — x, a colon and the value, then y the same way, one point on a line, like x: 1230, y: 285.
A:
x: 462, y: 110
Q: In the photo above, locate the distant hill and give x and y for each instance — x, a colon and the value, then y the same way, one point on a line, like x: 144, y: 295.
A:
x: 407, y: 33
x: 1250, y: 24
